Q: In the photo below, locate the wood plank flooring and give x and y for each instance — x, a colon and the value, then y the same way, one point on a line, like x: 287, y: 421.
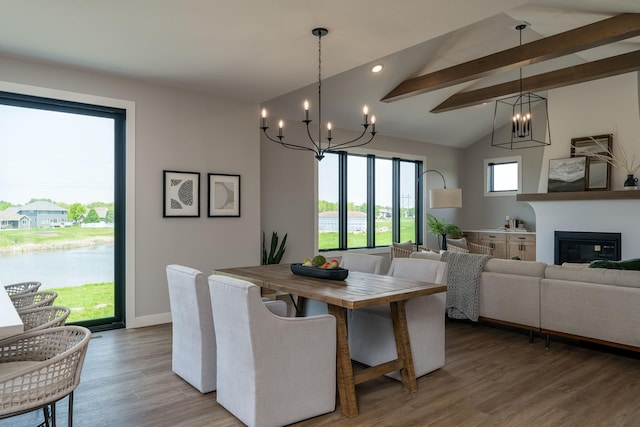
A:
x: 492, y: 377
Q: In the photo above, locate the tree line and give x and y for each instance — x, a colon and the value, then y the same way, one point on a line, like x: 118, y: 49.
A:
x: 75, y: 211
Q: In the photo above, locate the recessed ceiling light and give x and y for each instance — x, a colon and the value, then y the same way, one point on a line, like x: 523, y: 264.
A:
x: 376, y: 68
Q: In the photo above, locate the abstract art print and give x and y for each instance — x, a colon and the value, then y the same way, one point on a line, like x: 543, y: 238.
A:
x: 181, y: 194
x: 567, y: 174
x: 224, y: 195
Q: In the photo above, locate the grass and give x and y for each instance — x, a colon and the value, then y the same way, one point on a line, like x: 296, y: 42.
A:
x: 359, y: 239
x: 87, y: 302
x: 49, y: 235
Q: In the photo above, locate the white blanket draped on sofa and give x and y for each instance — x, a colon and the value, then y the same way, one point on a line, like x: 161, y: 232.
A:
x: 463, y: 281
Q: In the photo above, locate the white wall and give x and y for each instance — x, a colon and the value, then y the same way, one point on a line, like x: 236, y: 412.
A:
x: 594, y: 108
x: 174, y: 130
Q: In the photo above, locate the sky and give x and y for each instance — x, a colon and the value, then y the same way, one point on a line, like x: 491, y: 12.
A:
x: 356, y: 181
x: 59, y: 156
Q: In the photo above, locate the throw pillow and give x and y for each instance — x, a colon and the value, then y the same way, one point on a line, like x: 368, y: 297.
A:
x: 629, y: 264
x: 461, y: 243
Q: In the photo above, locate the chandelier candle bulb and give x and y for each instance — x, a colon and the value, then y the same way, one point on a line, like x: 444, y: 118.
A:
x: 373, y: 124
x: 306, y: 110
x: 264, y: 118
x: 365, y: 110
x: 329, y: 130
x: 280, y: 126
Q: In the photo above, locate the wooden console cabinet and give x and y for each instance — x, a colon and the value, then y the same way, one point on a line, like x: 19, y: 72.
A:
x: 505, y: 244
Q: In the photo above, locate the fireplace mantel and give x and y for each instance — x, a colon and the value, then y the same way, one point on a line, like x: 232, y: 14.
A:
x: 579, y: 195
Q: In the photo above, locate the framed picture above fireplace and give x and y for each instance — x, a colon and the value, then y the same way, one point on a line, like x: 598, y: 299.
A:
x: 598, y: 171
x: 567, y: 174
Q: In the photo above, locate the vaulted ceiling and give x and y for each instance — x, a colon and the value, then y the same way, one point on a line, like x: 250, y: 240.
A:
x: 263, y: 51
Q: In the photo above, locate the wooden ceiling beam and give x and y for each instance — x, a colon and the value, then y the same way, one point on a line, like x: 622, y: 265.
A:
x: 599, y: 33
x: 594, y: 70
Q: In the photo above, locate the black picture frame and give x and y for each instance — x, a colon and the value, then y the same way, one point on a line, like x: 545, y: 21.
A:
x: 224, y: 195
x: 180, y: 194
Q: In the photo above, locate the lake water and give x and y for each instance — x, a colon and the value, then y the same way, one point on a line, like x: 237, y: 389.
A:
x: 72, y: 267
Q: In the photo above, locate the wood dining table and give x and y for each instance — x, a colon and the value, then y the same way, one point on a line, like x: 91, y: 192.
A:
x: 357, y: 291
x: 10, y: 321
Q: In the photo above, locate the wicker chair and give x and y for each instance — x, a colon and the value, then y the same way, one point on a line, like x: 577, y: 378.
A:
x: 33, y: 300
x: 36, y: 319
x: 22, y: 288
x: 474, y: 248
x: 39, y: 368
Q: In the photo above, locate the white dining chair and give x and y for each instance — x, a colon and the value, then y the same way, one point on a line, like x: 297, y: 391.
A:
x: 371, y: 337
x: 363, y: 263
x: 272, y: 370
x: 193, y: 350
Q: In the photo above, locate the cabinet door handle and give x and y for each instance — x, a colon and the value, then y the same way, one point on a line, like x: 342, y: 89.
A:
x: 521, y: 238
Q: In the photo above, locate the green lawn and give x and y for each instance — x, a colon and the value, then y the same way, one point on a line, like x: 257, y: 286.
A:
x: 91, y: 301
x: 49, y: 235
x: 383, y: 237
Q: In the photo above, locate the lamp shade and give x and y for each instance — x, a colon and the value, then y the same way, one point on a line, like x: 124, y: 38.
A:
x: 445, y: 198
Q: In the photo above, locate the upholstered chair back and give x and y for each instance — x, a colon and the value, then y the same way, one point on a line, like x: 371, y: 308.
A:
x: 193, y: 354
x: 272, y: 370
x: 363, y: 263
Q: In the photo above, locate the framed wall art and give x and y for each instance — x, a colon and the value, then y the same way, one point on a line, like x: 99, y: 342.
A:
x: 181, y: 194
x: 598, y: 172
x: 567, y: 174
x: 224, y: 195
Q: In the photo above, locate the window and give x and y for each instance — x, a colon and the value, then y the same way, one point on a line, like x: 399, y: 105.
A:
x: 367, y: 201
x: 503, y: 176
x: 60, y: 156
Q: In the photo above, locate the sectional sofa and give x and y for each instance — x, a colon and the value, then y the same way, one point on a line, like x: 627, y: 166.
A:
x: 593, y: 304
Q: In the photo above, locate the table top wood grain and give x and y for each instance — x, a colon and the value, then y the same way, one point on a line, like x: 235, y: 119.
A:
x: 356, y: 291
x: 10, y: 321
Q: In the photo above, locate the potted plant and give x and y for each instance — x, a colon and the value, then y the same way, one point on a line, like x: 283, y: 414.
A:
x: 442, y: 229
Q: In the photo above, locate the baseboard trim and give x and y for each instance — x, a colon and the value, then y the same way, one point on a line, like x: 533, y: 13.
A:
x: 154, y: 319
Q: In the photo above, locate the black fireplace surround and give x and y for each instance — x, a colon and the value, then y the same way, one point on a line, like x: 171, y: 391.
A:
x: 584, y: 247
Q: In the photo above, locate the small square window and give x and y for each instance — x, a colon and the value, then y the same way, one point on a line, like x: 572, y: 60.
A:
x: 503, y: 176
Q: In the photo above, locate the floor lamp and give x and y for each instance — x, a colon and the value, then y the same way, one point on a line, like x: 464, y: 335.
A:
x: 443, y: 198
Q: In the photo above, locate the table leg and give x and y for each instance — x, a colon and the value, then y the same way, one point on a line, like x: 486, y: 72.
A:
x: 403, y: 347
x: 344, y: 370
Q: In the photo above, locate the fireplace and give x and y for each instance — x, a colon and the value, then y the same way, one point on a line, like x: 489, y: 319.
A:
x: 583, y: 246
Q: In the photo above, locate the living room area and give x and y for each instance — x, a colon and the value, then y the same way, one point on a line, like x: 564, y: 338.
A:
x: 496, y: 373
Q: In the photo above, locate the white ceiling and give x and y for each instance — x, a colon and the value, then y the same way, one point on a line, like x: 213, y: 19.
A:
x: 263, y: 51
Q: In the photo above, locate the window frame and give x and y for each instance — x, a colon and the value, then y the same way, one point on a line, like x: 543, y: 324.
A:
x: 342, y: 198
x: 502, y: 160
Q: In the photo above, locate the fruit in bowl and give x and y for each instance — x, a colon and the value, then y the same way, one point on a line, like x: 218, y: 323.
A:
x: 320, y: 262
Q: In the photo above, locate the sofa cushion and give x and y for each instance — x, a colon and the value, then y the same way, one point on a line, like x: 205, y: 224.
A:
x: 629, y: 264
x: 521, y: 268
x: 594, y: 275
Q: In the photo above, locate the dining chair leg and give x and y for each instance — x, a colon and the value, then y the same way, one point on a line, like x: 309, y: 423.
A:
x: 70, y: 419
x: 53, y: 414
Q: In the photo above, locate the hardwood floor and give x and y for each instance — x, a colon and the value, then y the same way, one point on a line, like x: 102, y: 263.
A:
x: 492, y: 377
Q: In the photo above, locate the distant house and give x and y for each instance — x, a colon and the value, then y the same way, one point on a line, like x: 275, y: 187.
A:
x: 43, y: 214
x: 101, y: 211
x: 13, y: 221
x: 328, y: 221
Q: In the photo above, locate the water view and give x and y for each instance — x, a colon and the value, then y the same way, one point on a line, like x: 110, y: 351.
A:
x: 57, y: 269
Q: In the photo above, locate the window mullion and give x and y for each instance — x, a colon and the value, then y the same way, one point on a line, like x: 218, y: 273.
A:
x: 342, y: 200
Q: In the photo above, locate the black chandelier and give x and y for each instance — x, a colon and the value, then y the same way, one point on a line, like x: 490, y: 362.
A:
x: 519, y: 111
x: 320, y: 146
